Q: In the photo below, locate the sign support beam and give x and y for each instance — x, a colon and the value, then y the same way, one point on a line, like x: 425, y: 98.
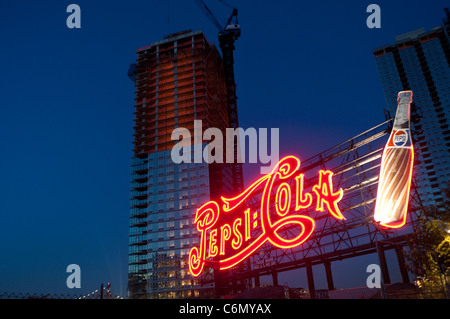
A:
x: 330, y: 284
x: 311, y: 286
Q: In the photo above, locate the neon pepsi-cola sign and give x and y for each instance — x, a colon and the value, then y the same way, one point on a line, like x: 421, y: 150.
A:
x: 226, y: 228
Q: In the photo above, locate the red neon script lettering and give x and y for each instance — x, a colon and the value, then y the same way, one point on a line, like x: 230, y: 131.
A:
x: 231, y: 241
x: 325, y: 194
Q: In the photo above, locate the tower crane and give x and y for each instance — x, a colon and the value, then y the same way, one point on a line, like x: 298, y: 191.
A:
x: 228, y: 34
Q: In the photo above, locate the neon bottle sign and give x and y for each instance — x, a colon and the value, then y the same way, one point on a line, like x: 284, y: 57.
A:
x: 226, y: 227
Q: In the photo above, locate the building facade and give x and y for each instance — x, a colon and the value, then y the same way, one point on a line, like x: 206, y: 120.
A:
x: 420, y: 61
x: 178, y: 80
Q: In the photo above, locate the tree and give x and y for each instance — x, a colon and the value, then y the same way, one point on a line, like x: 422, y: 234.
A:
x: 429, y: 253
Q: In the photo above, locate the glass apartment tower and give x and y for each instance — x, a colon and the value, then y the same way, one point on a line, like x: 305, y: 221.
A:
x: 420, y: 61
x: 178, y: 80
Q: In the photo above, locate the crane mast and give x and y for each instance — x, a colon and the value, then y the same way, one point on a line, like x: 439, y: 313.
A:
x: 227, y: 36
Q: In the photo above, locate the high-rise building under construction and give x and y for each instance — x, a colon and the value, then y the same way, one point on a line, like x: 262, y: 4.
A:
x: 420, y: 61
x: 178, y: 80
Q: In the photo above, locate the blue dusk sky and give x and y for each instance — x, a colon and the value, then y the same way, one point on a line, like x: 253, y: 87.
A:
x: 66, y: 121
